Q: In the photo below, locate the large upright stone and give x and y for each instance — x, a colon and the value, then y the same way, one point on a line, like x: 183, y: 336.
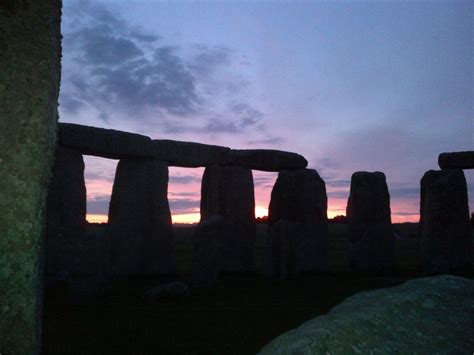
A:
x: 456, y: 160
x: 30, y: 55
x: 140, y: 231
x: 445, y: 236
x: 66, y: 211
x: 298, y: 225
x: 370, y: 227
x: 227, y: 198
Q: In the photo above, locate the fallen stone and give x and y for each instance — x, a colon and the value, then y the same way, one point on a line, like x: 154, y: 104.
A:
x: 169, y: 291
x: 229, y: 192
x: 445, y: 235
x: 298, y: 225
x: 140, y: 231
x: 265, y: 159
x: 188, y: 154
x: 427, y: 316
x: 370, y: 227
x: 456, y: 160
x: 106, y: 143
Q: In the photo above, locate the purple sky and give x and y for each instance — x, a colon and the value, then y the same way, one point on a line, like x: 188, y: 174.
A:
x: 351, y: 85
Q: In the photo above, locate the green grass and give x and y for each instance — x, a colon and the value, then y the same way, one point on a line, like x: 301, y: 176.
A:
x: 238, y: 315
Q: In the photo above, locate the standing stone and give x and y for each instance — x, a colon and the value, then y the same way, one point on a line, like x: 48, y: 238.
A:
x: 298, y: 224
x: 445, y: 240
x: 370, y: 226
x: 456, y: 160
x: 227, y: 193
x: 30, y: 58
x: 66, y: 212
x: 140, y: 231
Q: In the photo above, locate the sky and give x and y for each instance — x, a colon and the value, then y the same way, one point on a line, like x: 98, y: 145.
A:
x: 350, y: 85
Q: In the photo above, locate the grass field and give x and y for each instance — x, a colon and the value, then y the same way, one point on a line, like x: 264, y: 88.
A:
x: 238, y: 315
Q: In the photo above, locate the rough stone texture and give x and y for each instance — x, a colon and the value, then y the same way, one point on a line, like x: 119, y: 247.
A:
x: 445, y: 240
x: 107, y: 143
x: 425, y: 316
x: 29, y: 84
x: 140, y: 231
x: 229, y: 192
x: 207, y: 250
x: 456, y: 160
x: 298, y: 225
x: 188, y: 154
x: 265, y: 159
x: 370, y: 228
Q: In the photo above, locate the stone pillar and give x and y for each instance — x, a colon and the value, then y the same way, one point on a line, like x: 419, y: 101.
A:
x: 66, y: 213
x: 30, y: 58
x: 298, y: 225
x: 370, y: 226
x: 140, y: 231
x: 227, y: 228
x: 445, y: 237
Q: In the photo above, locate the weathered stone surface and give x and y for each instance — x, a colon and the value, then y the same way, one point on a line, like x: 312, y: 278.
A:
x: 265, y: 159
x: 207, y: 250
x: 29, y: 84
x: 188, y: 154
x: 229, y: 192
x: 456, y: 160
x: 107, y: 143
x: 370, y: 228
x: 140, y: 231
x: 445, y: 238
x: 429, y: 316
x: 298, y: 229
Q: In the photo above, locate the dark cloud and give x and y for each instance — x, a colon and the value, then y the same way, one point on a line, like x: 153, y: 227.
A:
x: 182, y: 206
x: 183, y: 194
x: 184, y: 179
x: 117, y: 69
x: 98, y: 205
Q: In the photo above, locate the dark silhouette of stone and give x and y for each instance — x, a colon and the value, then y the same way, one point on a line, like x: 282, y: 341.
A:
x: 168, y: 291
x: 265, y: 159
x: 445, y: 237
x: 66, y: 214
x: 229, y: 192
x: 375, y: 322
x: 140, y: 231
x: 188, y: 154
x: 228, y: 211
x: 456, y: 160
x: 370, y: 227
x: 107, y: 143
x: 298, y: 225
x: 207, y: 250
x: 30, y: 70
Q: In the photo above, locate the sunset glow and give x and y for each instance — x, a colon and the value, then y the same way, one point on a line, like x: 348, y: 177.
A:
x: 97, y: 218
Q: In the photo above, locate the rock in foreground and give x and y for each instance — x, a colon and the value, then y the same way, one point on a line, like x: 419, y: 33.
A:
x: 430, y: 316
